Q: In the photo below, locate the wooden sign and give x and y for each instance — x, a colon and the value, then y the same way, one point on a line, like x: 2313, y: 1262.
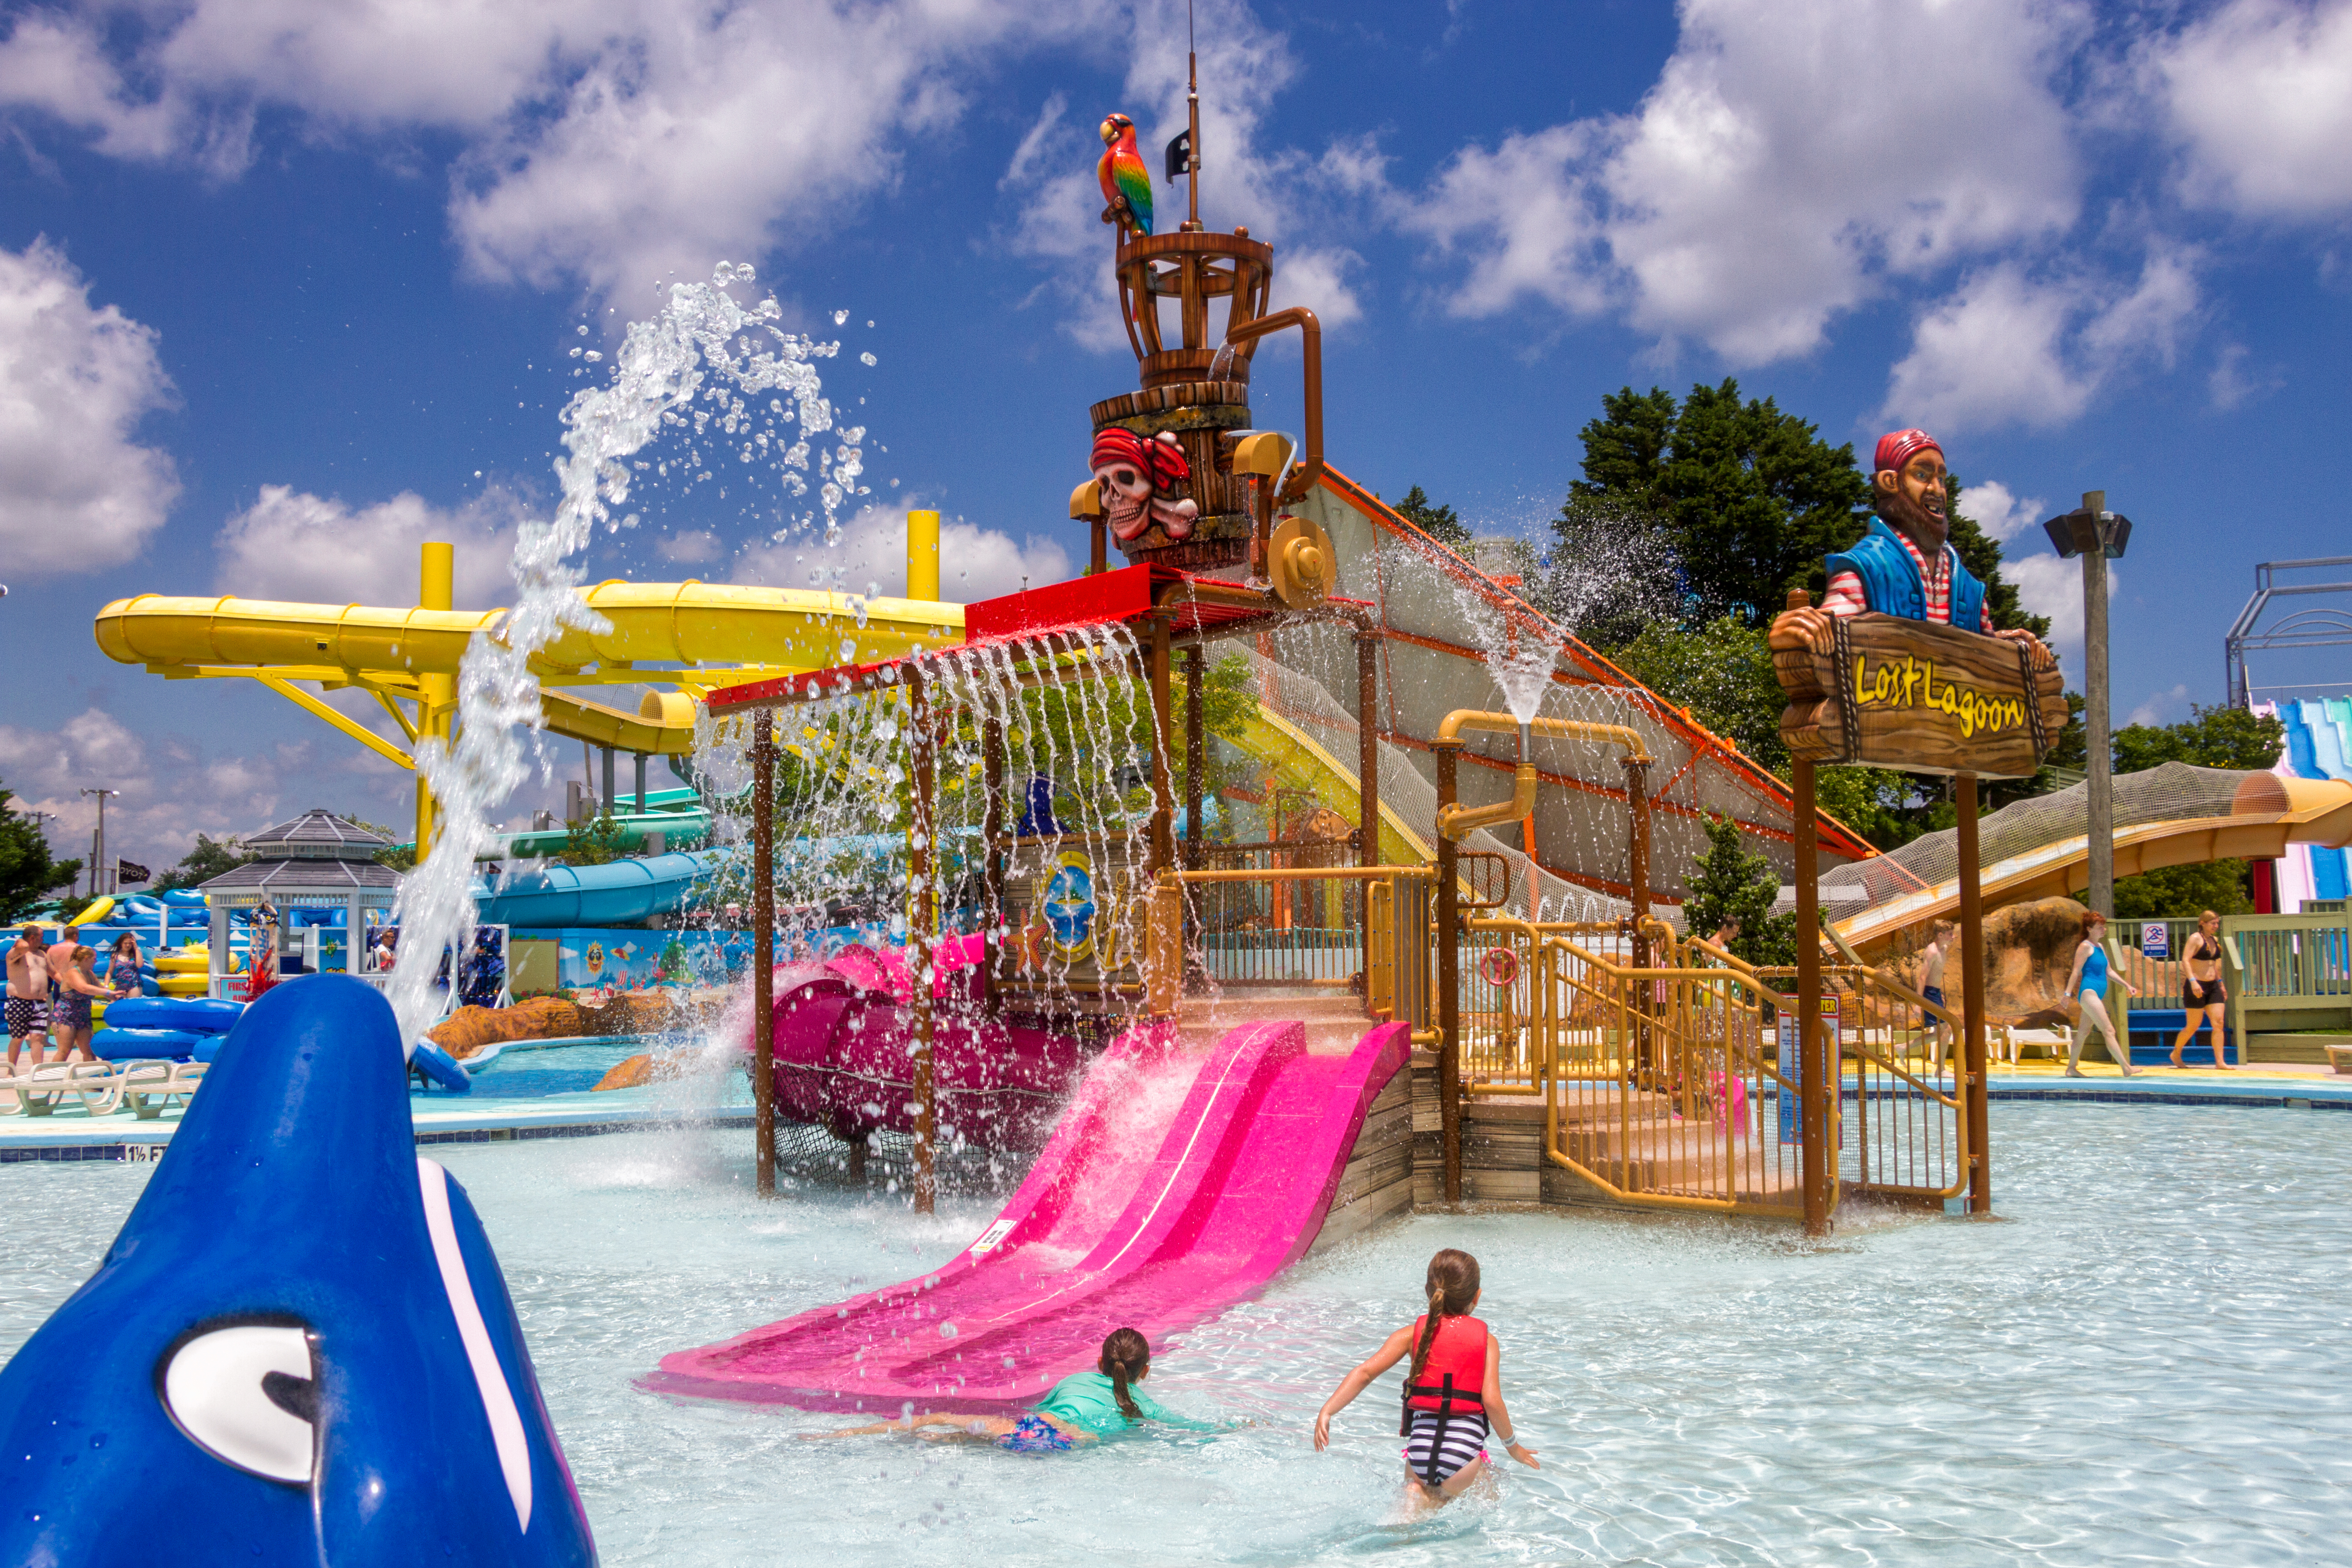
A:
x: 1906, y: 694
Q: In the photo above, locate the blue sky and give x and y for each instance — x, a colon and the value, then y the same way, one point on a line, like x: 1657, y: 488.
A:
x: 286, y: 287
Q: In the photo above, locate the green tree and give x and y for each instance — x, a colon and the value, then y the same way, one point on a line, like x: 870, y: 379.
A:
x: 1880, y: 804
x: 1727, y: 882
x: 209, y: 858
x: 1437, y: 522
x: 1721, y: 673
x: 27, y: 869
x: 1749, y: 497
x: 596, y: 842
x: 2182, y: 892
x: 2211, y: 738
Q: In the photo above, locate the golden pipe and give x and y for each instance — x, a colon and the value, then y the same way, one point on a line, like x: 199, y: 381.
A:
x: 1457, y: 822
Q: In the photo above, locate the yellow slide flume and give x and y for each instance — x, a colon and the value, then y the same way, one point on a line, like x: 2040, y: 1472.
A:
x: 695, y: 635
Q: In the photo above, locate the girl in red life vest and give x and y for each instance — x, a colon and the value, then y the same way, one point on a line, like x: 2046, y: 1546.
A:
x: 1453, y: 1392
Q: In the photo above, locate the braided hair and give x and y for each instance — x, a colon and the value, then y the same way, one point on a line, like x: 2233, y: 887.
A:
x: 1451, y: 1287
x: 1126, y: 1356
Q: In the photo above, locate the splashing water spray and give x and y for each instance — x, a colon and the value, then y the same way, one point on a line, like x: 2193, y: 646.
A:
x: 705, y: 344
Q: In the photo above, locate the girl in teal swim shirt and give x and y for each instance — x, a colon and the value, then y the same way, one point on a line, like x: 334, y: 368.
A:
x: 1082, y: 1407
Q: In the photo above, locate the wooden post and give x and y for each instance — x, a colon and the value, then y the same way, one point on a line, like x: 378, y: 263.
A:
x: 1972, y: 1005
x: 1164, y: 803
x: 763, y: 951
x: 1196, y: 751
x: 1449, y: 978
x: 920, y: 905
x: 1637, y: 855
x: 992, y: 768
x: 1368, y: 748
x: 1813, y: 1082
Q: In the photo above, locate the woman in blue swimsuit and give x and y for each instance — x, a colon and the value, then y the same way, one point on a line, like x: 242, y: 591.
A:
x: 2087, y: 986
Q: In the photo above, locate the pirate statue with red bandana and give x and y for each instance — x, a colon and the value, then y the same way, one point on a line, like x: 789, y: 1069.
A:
x: 1905, y: 565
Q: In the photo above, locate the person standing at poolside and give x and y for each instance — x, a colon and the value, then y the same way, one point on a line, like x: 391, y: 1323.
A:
x: 74, y: 976
x: 2086, y: 986
x: 1932, y: 959
x: 2203, y: 998
x: 29, y: 994
x: 125, y: 967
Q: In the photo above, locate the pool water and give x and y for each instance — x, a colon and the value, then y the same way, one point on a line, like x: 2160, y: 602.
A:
x: 2136, y: 1364
x: 534, y: 1072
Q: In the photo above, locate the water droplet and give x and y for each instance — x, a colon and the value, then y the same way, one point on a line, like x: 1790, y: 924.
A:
x: 839, y: 317
x: 868, y: 359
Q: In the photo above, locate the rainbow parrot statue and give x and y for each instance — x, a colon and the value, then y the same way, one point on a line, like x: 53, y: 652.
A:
x: 1126, y: 182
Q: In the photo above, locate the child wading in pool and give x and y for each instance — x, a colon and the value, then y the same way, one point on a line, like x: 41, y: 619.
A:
x: 1080, y: 1408
x: 1453, y: 1390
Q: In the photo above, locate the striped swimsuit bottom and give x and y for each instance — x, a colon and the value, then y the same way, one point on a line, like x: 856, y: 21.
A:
x: 1466, y: 1440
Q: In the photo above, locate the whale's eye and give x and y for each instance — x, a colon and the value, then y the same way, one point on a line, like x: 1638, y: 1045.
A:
x: 243, y: 1393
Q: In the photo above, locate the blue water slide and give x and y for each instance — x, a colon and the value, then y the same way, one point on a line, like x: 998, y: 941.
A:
x: 619, y: 893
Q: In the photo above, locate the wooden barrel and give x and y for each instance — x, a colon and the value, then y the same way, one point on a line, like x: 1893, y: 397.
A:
x: 1198, y: 414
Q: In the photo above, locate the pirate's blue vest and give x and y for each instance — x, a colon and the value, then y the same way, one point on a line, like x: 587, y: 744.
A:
x: 1890, y: 578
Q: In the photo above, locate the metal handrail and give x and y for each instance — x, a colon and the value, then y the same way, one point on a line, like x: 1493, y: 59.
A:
x: 1664, y: 1105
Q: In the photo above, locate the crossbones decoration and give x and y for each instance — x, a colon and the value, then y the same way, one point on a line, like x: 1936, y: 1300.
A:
x: 1143, y: 482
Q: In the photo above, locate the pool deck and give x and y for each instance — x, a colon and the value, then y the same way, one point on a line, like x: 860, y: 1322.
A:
x: 2264, y: 1083
x: 72, y: 1134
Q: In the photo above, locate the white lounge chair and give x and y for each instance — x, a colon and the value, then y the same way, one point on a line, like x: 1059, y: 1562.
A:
x: 40, y: 1091
x: 149, y: 1086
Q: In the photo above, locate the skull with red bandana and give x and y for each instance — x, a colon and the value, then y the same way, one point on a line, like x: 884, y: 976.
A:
x: 1143, y: 481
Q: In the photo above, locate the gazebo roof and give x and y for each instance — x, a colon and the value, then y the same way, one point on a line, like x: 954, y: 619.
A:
x: 310, y: 875
x: 317, y: 836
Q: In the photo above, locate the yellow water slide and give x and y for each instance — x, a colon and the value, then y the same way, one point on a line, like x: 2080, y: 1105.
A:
x: 2270, y: 812
x: 690, y: 635
x: 694, y: 637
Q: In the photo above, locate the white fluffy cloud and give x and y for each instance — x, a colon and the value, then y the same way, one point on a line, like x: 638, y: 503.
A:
x: 2049, y: 586
x: 975, y: 563
x: 170, y: 792
x: 75, y: 382
x: 293, y: 546
x: 602, y: 141
x: 2008, y: 349
x: 2000, y: 512
x: 1788, y: 161
x: 2259, y: 93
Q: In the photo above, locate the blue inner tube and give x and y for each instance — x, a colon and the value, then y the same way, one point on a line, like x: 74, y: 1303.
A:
x: 197, y: 1014
x: 112, y: 1044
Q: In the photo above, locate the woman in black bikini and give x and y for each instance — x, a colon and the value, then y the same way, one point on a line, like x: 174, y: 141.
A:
x: 2201, y: 958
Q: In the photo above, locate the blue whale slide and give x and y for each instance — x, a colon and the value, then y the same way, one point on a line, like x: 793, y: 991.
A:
x: 299, y: 1348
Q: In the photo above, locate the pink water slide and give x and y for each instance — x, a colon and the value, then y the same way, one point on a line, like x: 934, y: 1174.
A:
x: 1176, y: 1182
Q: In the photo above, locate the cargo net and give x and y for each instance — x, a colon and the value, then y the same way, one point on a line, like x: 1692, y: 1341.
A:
x: 2174, y: 792
x: 808, y: 1155
x: 1304, y: 701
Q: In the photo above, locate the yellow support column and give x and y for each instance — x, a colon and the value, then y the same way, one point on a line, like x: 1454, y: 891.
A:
x: 923, y: 555
x: 437, y: 569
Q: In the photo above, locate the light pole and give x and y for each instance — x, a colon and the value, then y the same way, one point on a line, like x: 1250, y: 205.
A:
x: 2098, y: 536
x: 102, y: 879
